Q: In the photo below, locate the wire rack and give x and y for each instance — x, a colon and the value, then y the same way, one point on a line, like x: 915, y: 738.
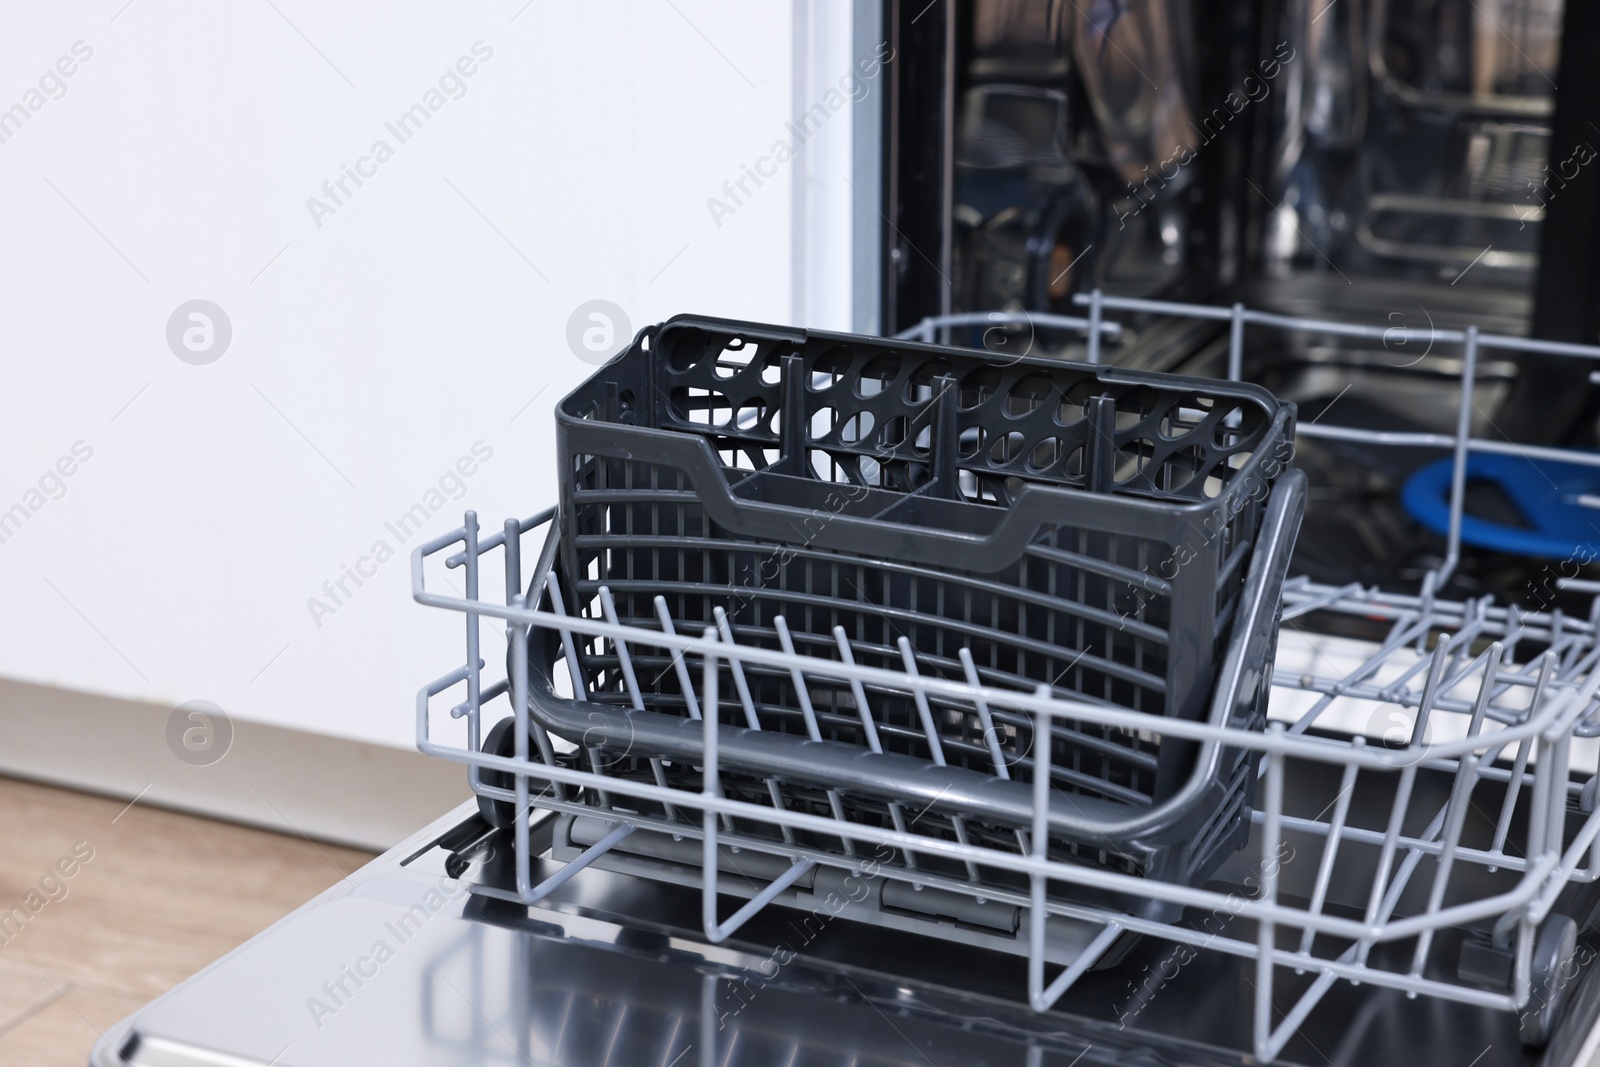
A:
x: 1447, y: 840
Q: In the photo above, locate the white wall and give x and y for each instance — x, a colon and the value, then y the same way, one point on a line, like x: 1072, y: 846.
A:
x: 372, y: 347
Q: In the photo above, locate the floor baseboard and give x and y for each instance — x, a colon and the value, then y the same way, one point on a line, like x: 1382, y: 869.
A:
x: 318, y: 787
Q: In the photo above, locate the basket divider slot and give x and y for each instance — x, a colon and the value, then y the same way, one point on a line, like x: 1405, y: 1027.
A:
x: 945, y: 439
x: 1101, y: 447
x: 792, y: 421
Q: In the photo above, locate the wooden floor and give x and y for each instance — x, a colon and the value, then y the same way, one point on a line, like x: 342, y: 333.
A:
x: 151, y: 898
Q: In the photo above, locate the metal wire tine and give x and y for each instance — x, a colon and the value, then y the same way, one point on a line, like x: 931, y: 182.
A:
x: 1330, y: 848
x: 1358, y: 951
x: 991, y: 739
x: 725, y: 632
x: 809, y: 713
x: 1460, y: 799
x: 897, y: 819
x: 1547, y: 670
x: 754, y: 722
x: 1430, y: 585
x: 685, y: 683
x: 1494, y: 663
x: 1584, y: 666
x: 1424, y: 613
x: 1463, y: 668
x: 798, y: 678
x: 1459, y: 643
x: 580, y: 690
x: 1554, y: 763
x: 775, y: 791
x: 959, y: 824
x: 600, y: 791
x: 1430, y: 692
x: 1589, y: 724
x: 1415, y: 851
x: 1506, y: 679
x: 1508, y: 806
x: 1448, y: 646
x: 1573, y: 648
x: 1380, y: 877
x: 935, y: 746
x: 1400, y: 634
x: 659, y: 773
x: 1514, y: 628
x: 1405, y: 628
x: 869, y: 726
x: 608, y: 608
x: 1494, y: 658
x: 1540, y: 803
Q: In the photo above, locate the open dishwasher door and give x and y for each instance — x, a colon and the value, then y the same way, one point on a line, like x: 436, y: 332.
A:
x: 411, y: 961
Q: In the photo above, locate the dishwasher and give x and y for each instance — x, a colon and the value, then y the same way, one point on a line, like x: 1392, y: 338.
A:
x: 881, y: 701
x: 987, y: 695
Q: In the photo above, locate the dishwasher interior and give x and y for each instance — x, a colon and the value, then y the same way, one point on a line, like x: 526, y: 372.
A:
x: 1411, y: 166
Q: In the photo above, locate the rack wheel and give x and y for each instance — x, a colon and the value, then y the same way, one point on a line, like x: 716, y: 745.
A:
x: 1553, y: 949
x: 499, y: 742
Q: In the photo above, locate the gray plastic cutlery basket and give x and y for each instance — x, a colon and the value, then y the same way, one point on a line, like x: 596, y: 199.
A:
x: 1091, y: 533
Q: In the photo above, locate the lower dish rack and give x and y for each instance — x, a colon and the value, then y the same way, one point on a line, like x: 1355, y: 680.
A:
x: 612, y: 728
x: 1444, y: 845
